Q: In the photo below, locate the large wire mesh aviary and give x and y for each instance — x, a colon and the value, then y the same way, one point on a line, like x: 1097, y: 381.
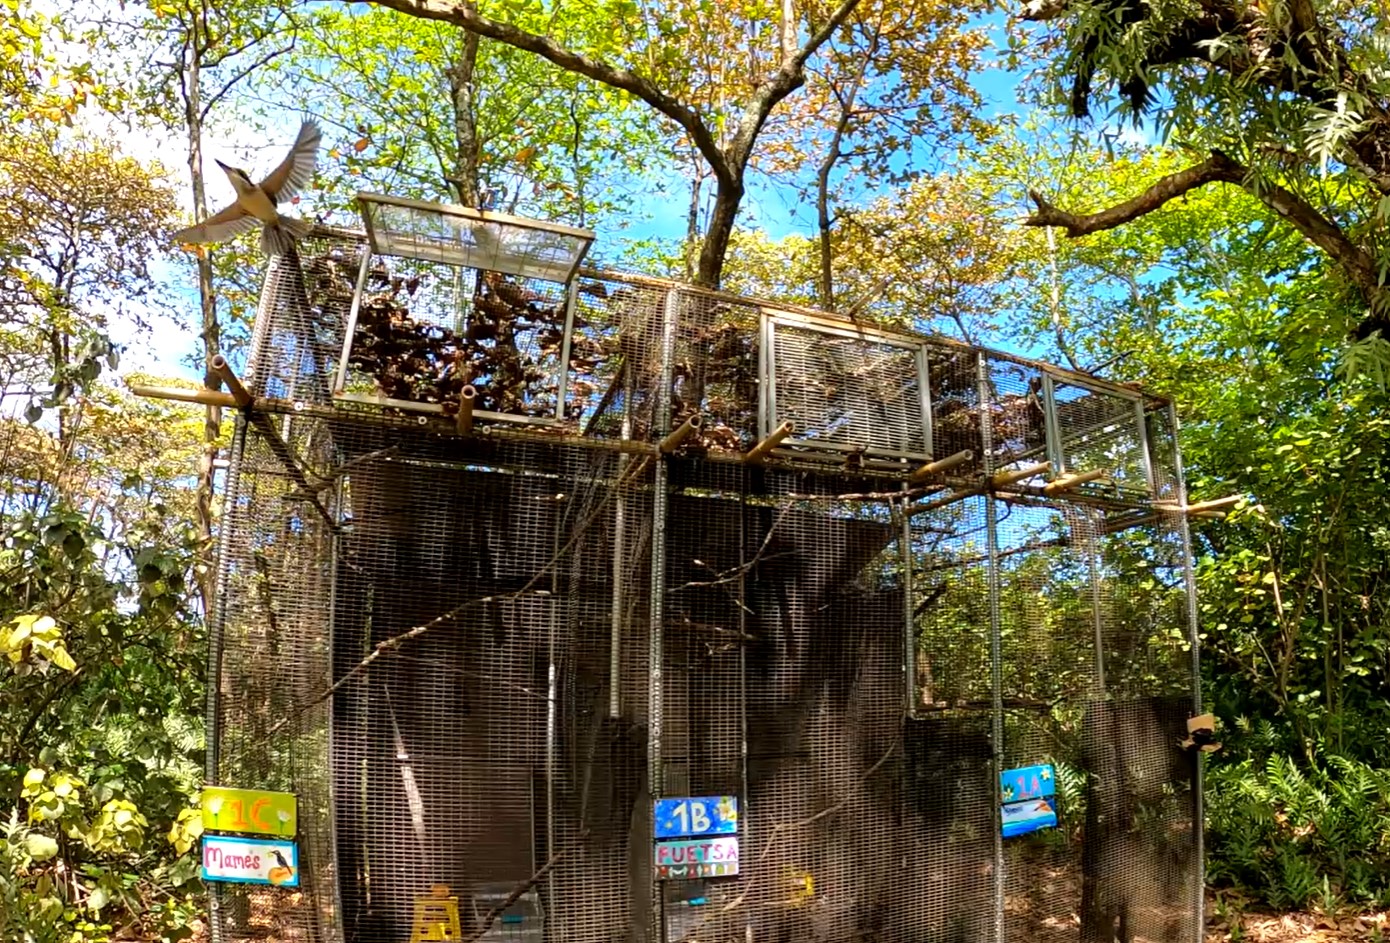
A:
x: 480, y: 611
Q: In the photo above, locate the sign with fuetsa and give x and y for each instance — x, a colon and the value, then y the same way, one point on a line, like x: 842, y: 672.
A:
x: 253, y: 811
x: 700, y: 858
x: 250, y: 861
x: 703, y: 815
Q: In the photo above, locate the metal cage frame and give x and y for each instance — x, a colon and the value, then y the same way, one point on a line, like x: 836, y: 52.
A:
x: 530, y: 633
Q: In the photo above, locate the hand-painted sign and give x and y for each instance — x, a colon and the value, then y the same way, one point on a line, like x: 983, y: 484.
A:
x: 1020, y: 818
x: 707, y: 815
x: 1027, y: 782
x: 250, y: 861
x: 700, y: 858
x: 249, y: 810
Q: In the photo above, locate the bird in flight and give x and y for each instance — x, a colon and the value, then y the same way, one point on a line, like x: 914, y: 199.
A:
x: 256, y: 202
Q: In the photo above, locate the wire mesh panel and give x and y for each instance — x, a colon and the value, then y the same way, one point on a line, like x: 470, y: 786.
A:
x: 269, y: 715
x: 846, y: 389
x: 482, y: 660
x: 1100, y: 431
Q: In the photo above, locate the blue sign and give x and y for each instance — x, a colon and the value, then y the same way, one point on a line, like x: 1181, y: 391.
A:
x: 705, y: 815
x: 1020, y: 818
x: 1027, y: 782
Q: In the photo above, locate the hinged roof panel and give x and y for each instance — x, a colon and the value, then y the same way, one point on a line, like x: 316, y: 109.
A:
x: 469, y: 238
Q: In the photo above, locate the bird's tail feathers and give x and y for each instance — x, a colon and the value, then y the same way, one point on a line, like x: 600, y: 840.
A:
x: 280, y: 236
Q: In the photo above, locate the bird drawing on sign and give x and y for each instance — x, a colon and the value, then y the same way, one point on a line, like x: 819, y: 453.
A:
x: 256, y: 202
x: 282, y: 872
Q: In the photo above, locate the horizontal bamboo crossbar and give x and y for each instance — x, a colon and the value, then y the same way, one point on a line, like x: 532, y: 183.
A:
x: 760, y: 451
x: 1212, y: 505
x: 203, y: 397
x: 940, y: 465
x: 1009, y: 476
x: 677, y: 436
x: 1068, y: 482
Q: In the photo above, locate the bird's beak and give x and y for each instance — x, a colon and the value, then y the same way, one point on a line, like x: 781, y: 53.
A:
x: 225, y: 168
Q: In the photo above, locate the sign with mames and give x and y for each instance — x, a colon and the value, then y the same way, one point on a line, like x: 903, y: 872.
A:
x: 250, y: 861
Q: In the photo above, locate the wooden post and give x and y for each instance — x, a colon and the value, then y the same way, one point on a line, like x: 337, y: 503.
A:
x: 940, y: 465
x: 774, y: 438
x: 465, y: 417
x: 678, y: 435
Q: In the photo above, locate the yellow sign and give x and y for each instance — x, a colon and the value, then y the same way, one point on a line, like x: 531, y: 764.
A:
x: 436, y: 917
x: 253, y: 811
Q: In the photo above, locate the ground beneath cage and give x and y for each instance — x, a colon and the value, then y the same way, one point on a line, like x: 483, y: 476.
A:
x: 1225, y: 924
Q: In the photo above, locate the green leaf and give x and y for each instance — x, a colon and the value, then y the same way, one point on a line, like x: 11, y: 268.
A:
x: 40, y: 847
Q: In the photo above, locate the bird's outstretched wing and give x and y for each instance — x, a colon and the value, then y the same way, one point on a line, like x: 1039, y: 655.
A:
x: 219, y: 227
x: 297, y: 169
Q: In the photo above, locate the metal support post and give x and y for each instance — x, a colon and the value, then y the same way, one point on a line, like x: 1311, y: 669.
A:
x: 996, y: 660
x: 1194, y: 639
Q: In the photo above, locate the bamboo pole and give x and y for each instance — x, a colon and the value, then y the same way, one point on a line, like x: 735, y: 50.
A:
x: 1212, y: 505
x: 760, y: 451
x: 1010, y: 476
x: 203, y: 397
x: 465, y: 417
x: 940, y: 465
x: 1068, y: 482
x: 944, y: 500
x: 678, y: 435
x: 226, y: 375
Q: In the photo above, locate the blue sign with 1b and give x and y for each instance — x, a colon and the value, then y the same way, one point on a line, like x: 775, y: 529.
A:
x: 1027, y: 782
x: 703, y: 815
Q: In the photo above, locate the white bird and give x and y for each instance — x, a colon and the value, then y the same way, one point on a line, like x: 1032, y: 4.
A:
x: 255, y: 203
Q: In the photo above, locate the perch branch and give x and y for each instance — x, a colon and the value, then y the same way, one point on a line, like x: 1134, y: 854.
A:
x: 731, y: 575
x: 325, y: 483
x: 1216, y: 168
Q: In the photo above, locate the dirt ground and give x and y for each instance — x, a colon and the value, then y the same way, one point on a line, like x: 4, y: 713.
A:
x: 1229, y: 922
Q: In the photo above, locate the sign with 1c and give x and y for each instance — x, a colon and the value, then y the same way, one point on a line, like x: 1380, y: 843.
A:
x: 254, y: 811
x: 702, y: 815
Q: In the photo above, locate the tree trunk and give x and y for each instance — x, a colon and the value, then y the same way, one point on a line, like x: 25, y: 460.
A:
x: 727, y: 196
x: 827, y: 164
x: 692, y: 222
x: 211, y: 332
x: 462, y: 94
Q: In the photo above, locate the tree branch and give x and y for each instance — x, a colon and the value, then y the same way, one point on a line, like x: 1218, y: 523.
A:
x: 462, y: 14
x: 1217, y: 168
x: 1354, y: 261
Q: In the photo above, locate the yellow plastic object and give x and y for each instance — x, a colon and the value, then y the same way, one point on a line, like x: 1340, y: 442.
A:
x: 801, y: 888
x: 436, y: 917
